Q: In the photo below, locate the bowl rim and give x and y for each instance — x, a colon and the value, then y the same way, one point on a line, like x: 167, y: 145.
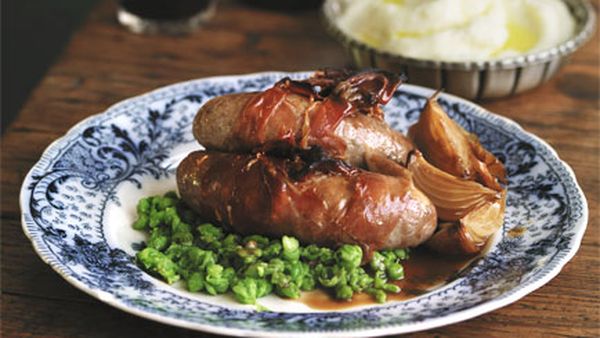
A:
x: 585, y: 30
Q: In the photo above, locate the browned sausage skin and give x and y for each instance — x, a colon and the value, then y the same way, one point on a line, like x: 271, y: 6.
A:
x: 344, y: 118
x: 327, y: 203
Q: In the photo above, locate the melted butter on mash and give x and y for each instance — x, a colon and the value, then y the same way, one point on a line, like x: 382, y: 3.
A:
x: 458, y: 30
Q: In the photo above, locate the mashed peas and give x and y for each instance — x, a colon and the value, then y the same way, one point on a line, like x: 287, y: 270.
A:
x: 210, y: 260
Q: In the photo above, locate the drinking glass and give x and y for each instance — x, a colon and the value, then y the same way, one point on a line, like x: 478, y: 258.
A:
x: 164, y: 16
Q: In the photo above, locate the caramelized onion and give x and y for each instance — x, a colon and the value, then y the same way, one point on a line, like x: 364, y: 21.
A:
x: 470, y: 235
x: 461, y: 178
x: 484, y: 221
x: 453, y: 239
x: 447, y: 146
x: 453, y: 197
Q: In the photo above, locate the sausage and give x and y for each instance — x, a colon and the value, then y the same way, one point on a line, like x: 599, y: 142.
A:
x: 346, y: 123
x: 326, y: 203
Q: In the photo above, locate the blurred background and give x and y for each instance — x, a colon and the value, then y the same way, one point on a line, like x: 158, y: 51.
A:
x: 34, y: 32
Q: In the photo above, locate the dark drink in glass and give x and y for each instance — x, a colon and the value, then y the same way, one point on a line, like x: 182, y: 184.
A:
x: 164, y: 16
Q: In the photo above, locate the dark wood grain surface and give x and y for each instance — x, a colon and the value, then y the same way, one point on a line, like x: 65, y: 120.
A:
x: 104, y: 64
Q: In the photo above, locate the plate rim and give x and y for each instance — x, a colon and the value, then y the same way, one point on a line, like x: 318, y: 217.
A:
x: 510, y: 297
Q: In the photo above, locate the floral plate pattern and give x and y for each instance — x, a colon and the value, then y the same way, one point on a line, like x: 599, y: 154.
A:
x: 78, y: 200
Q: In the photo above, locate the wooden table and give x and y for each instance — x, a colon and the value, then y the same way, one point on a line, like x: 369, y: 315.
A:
x: 104, y: 64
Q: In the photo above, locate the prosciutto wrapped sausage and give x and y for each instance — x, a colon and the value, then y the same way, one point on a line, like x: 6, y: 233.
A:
x: 336, y: 111
x: 326, y: 202
x: 291, y: 160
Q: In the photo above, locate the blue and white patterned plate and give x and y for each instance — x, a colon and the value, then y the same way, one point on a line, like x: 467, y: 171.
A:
x: 79, y: 200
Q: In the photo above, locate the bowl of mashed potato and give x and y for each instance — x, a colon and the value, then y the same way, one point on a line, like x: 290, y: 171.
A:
x: 477, y: 49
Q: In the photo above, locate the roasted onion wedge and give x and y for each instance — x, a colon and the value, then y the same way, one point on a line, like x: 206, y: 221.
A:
x: 483, y: 222
x: 470, y: 235
x: 461, y: 178
x: 450, y: 148
x: 474, y: 211
x: 453, y: 197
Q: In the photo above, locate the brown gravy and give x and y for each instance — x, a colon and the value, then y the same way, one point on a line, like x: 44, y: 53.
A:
x: 423, y: 271
x: 517, y: 231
